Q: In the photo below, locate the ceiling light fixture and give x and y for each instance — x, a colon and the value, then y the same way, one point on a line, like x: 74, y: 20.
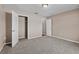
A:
x: 45, y: 5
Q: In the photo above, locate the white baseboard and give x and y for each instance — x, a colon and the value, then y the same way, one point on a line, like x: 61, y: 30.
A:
x: 34, y: 37
x: 66, y: 39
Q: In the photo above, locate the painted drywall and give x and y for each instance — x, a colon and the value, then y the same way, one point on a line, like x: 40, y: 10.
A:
x: 34, y: 24
x: 66, y: 25
x: 34, y: 21
x: 21, y: 27
x: 2, y: 27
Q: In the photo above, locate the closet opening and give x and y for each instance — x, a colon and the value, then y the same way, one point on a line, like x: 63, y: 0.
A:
x: 23, y: 27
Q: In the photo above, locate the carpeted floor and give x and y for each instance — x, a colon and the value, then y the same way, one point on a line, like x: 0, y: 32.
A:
x: 43, y: 45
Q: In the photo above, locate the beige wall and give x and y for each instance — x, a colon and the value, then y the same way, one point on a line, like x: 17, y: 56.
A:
x: 66, y: 25
x: 34, y: 24
x: 2, y: 27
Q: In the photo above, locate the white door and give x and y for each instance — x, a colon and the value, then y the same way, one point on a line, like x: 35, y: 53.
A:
x: 14, y: 29
x: 48, y: 27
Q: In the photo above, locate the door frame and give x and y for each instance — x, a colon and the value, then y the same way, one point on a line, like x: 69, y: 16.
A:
x: 26, y: 26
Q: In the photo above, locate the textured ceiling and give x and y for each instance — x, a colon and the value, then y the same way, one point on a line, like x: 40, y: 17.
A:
x: 52, y: 9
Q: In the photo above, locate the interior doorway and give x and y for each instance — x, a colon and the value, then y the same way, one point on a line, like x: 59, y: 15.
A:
x: 11, y: 19
x: 44, y: 27
x: 23, y: 27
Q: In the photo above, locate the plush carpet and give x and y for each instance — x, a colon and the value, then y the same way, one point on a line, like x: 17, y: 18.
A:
x: 43, y: 45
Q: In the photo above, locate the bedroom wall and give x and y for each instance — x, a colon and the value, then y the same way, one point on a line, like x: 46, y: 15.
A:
x: 2, y: 27
x: 66, y: 25
x: 34, y: 24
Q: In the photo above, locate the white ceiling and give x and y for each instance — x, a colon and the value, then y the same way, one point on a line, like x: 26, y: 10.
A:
x: 52, y: 9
